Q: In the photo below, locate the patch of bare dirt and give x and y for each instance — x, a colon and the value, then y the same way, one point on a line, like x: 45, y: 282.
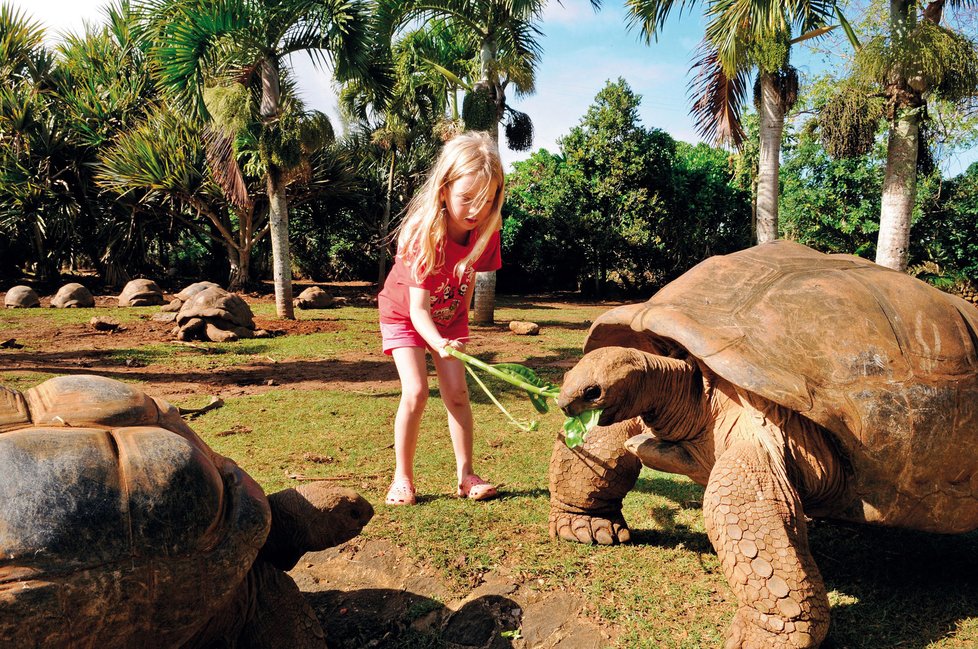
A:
x: 80, y: 349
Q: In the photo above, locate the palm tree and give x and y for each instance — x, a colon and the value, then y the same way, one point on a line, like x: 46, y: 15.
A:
x: 402, y: 127
x: 504, y: 33
x: 741, y: 36
x: 34, y: 209
x: 916, y: 60
x: 201, y: 43
x: 167, y: 165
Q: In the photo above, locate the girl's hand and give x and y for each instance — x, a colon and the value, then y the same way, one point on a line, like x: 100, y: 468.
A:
x: 442, y: 349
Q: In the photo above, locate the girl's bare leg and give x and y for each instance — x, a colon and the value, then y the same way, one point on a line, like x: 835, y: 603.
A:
x: 411, y: 368
x: 455, y: 394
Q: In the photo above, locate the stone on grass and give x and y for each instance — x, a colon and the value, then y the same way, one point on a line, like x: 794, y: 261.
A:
x: 101, y: 323
x: 521, y: 328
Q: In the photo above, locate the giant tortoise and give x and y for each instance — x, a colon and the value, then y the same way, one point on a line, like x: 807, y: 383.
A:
x: 789, y: 383
x: 73, y: 296
x: 21, y: 297
x: 141, y: 292
x: 121, y: 528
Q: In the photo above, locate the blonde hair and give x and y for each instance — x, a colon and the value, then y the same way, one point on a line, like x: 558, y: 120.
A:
x: 422, y: 233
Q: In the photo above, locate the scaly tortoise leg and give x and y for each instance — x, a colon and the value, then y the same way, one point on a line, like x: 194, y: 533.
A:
x: 588, y: 484
x: 281, y: 618
x: 754, y: 520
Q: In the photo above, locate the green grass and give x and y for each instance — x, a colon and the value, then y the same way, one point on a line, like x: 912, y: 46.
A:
x: 888, y: 588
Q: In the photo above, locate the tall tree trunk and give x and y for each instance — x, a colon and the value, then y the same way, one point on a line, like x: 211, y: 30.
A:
x: 899, y: 191
x: 385, y: 223
x: 900, y: 179
x: 278, y: 221
x: 240, y: 264
x: 484, y: 311
x: 769, y: 164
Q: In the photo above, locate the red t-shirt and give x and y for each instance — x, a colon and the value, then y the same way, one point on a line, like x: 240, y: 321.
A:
x: 448, y: 291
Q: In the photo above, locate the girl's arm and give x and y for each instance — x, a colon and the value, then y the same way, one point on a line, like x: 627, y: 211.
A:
x: 420, y: 308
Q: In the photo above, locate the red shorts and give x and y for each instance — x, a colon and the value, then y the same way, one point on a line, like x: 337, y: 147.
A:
x: 403, y: 334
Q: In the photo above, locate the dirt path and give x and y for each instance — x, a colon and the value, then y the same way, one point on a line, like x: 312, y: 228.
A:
x: 369, y: 593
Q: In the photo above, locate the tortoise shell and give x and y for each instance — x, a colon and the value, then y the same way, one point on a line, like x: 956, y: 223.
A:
x: 217, y: 304
x: 141, y: 292
x: 73, y: 295
x: 887, y: 363
x: 195, y: 288
x: 21, y: 297
x: 118, y: 523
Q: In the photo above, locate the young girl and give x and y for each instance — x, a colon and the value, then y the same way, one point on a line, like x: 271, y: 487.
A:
x: 450, y: 231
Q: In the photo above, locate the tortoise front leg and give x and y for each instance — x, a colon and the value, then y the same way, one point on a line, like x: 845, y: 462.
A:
x: 281, y: 618
x: 754, y: 520
x: 588, y: 484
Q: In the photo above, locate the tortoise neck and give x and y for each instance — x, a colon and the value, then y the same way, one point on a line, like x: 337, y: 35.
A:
x: 675, y: 407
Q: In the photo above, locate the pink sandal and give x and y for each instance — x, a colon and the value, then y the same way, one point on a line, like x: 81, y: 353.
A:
x: 401, y: 492
x: 475, y: 488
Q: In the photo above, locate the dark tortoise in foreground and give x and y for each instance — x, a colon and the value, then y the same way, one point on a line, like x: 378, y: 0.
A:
x: 121, y: 528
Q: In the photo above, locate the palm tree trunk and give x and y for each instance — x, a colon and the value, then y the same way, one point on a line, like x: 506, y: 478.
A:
x: 278, y: 221
x: 385, y: 224
x: 900, y: 178
x: 768, y: 168
x: 899, y: 191
x: 484, y: 312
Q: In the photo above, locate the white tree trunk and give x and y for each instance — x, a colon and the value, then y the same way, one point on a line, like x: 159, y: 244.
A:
x: 768, y: 167
x: 899, y: 191
x: 484, y: 306
x: 278, y: 221
x: 385, y: 224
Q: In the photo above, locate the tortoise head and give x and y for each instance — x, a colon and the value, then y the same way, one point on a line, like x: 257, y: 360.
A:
x: 624, y: 382
x: 610, y: 378
x: 312, y: 517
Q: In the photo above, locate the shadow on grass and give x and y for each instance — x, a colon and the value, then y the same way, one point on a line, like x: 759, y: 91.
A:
x: 103, y: 362
x: 889, y: 587
x: 504, y: 494
x: 398, y: 619
x: 896, y: 588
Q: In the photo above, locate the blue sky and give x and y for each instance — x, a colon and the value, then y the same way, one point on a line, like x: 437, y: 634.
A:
x: 582, y: 50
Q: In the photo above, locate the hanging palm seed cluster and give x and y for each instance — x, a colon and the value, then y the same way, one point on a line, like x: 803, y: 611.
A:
x: 479, y: 108
x: 279, y: 144
x: 519, y: 130
x: 229, y: 106
x: 849, y: 121
x: 931, y: 59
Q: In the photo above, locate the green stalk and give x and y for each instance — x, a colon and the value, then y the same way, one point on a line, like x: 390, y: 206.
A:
x: 492, y: 397
x: 471, y: 360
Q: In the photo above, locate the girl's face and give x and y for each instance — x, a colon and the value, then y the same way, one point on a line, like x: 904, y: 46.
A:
x: 468, y: 202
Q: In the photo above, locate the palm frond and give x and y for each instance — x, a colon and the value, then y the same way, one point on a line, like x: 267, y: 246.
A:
x: 717, y: 98
x: 223, y: 163
x: 20, y: 40
x: 194, y: 38
x: 649, y: 16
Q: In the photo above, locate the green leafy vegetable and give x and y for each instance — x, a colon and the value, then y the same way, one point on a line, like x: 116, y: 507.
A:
x: 538, y: 390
